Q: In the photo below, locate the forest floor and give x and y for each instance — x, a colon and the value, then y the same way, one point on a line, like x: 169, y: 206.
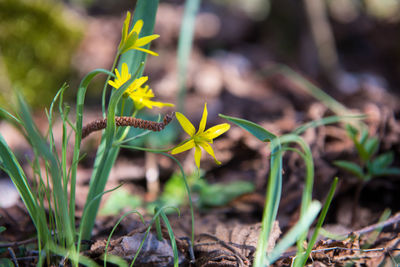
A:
x: 232, y: 79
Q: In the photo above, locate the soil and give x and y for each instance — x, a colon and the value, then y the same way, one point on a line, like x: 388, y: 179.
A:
x: 230, y: 69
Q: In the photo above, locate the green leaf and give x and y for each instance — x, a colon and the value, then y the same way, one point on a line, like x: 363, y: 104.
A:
x: 119, y: 200
x: 185, y: 47
x: 274, y: 191
x: 351, y: 167
x: 171, y: 237
x: 174, y: 193
x: 303, y: 258
x: 305, y: 85
x: 383, y: 161
x: 301, y: 226
x: 324, y: 121
x: 371, y: 146
x: 351, y: 131
x: 2, y: 229
x: 387, y: 172
x: 251, y: 127
x: 221, y: 194
x: 364, y: 136
x: 362, y: 153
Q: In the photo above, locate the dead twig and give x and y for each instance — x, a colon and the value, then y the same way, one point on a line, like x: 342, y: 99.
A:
x: 13, y: 257
x: 393, y: 220
x: 18, y: 243
x: 127, y: 121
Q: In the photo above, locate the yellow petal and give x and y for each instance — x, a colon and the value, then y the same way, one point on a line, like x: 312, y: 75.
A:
x: 144, y: 50
x: 197, y: 156
x: 203, y: 121
x: 160, y: 104
x: 185, y: 146
x: 125, y: 28
x: 147, y: 39
x: 216, y: 131
x: 125, y: 72
x: 113, y: 84
x: 187, y: 126
x: 117, y: 74
x: 138, y: 26
x: 209, y: 150
x: 140, y: 81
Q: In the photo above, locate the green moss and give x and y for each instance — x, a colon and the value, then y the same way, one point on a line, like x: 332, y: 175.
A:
x: 36, y: 45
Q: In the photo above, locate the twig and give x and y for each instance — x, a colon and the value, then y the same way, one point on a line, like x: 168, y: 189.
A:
x: 392, y: 220
x: 11, y: 251
x: 365, y: 230
x: 190, y: 248
x: 18, y: 243
x: 127, y: 121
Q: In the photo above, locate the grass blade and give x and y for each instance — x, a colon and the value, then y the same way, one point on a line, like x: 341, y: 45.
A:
x: 63, y: 223
x: 290, y: 238
x: 324, y: 121
x: 301, y: 261
x: 185, y: 46
x: 171, y: 237
x: 80, y: 101
x: 113, y: 230
x: 273, y: 197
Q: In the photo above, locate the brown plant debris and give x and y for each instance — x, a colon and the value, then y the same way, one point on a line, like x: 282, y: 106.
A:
x: 127, y: 121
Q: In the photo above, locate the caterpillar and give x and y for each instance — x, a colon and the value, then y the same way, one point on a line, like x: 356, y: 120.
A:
x: 127, y: 121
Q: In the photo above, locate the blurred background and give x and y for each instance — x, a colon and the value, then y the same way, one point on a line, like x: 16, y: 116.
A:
x: 341, y: 44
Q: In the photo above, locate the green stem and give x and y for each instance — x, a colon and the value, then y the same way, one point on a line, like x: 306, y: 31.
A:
x: 125, y: 133
x: 103, y: 97
x: 122, y: 106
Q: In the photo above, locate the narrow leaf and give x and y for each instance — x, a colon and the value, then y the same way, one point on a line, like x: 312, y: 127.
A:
x: 290, y: 238
x: 351, y: 167
x: 253, y: 128
x: 371, y: 146
x: 383, y: 161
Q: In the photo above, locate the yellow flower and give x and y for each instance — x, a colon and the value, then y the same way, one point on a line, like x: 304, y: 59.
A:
x: 140, y: 95
x: 130, y: 40
x: 200, y: 138
x: 121, y: 78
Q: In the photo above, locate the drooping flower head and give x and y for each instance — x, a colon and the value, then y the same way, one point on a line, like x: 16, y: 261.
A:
x: 130, y: 39
x: 140, y: 95
x: 201, y: 138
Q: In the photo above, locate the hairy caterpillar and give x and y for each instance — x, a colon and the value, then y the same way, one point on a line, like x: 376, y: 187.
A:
x: 127, y: 121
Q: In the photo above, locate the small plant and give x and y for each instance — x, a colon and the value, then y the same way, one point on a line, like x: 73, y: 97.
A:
x: 309, y: 209
x: 370, y: 164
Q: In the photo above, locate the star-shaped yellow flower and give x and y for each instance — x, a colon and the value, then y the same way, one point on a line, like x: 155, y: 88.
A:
x: 130, y: 40
x: 121, y: 78
x: 140, y: 95
x: 200, y: 138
